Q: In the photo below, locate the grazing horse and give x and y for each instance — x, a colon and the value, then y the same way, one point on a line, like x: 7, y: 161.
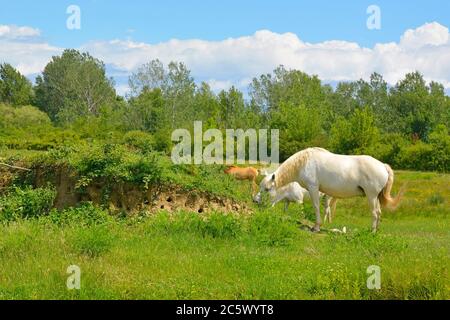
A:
x: 338, y: 176
x: 293, y: 192
x: 249, y: 174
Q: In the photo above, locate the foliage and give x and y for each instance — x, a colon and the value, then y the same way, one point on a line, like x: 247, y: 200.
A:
x: 15, y: 89
x: 20, y: 203
x: 355, y: 135
x: 393, y: 124
x: 73, y: 84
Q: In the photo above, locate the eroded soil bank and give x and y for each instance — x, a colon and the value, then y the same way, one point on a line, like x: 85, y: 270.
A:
x: 120, y: 196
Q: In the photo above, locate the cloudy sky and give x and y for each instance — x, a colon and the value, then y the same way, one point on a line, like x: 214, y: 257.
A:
x: 230, y: 42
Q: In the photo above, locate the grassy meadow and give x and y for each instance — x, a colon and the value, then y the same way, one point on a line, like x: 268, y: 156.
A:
x: 261, y: 255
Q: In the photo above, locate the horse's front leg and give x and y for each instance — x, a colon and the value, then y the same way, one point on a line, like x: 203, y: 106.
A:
x: 315, y: 198
x: 254, y: 187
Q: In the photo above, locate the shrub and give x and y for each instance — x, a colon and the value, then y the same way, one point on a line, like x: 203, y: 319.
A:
x: 140, y: 140
x: 440, y: 157
x: 26, y: 202
x: 87, y: 214
x: 355, y: 135
x: 416, y: 156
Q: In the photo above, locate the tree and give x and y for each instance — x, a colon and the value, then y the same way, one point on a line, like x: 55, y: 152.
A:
x: 149, y: 76
x: 300, y: 128
x: 73, y: 84
x: 232, y: 107
x: 287, y: 86
x: 207, y: 107
x: 146, y: 111
x: 355, y: 135
x: 15, y: 89
x: 413, y: 106
x: 176, y: 84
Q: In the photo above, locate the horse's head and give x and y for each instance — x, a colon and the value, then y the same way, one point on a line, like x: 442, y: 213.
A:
x: 267, y: 185
x: 228, y: 169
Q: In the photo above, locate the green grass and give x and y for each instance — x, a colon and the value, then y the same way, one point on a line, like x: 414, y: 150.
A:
x: 265, y: 255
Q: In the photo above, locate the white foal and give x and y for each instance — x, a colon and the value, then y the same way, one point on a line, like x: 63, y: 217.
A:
x: 294, y: 193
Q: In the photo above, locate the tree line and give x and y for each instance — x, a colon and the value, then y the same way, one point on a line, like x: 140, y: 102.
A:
x: 405, y: 125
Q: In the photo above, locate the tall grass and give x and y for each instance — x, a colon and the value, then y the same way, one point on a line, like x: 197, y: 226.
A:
x: 262, y: 255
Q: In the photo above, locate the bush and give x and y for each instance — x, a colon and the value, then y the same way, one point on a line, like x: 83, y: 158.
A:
x: 29, y: 128
x: 355, y: 135
x: 415, y: 157
x: 87, y: 214
x: 26, y: 203
x: 140, y: 140
x: 440, y: 140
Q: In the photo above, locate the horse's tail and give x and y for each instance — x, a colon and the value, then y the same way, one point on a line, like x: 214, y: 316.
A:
x: 385, y: 197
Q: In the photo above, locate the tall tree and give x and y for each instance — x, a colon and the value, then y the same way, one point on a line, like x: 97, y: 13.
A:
x: 232, y: 107
x: 73, y: 84
x: 146, y: 111
x: 176, y: 83
x: 415, y: 108
x: 149, y: 76
x: 15, y: 89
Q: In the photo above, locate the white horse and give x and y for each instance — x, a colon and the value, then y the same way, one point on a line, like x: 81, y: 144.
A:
x: 338, y: 176
x: 294, y: 193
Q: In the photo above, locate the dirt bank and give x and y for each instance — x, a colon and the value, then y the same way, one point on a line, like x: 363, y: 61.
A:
x: 121, y: 196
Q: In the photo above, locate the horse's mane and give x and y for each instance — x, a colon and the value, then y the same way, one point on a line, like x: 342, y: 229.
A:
x: 288, y: 171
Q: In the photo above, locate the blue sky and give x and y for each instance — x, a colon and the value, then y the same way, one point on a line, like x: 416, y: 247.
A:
x: 157, y: 22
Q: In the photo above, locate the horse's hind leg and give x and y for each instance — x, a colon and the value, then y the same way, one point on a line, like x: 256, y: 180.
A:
x: 330, y: 208
x: 375, y: 208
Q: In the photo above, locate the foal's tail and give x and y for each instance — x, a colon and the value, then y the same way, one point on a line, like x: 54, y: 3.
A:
x: 385, y: 197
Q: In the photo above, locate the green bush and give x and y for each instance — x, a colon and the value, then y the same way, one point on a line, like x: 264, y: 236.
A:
x: 86, y: 214
x: 415, y: 157
x: 356, y: 134
x: 140, y: 140
x: 29, y: 128
x: 26, y: 202
x: 440, y: 140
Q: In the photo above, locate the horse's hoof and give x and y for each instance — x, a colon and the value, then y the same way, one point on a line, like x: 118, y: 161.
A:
x: 315, y: 230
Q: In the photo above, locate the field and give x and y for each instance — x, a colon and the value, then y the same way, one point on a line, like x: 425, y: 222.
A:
x: 265, y: 254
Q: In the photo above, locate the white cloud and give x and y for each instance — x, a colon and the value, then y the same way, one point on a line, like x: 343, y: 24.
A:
x: 21, y: 47
x: 235, y: 61
x: 28, y: 58
x: 431, y: 34
x: 230, y: 61
x: 15, y: 32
